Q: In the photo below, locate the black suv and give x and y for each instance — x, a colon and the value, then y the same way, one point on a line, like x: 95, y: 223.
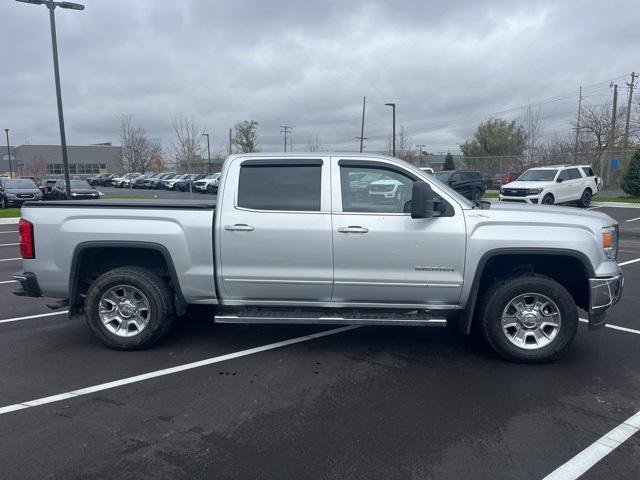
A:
x: 466, y: 182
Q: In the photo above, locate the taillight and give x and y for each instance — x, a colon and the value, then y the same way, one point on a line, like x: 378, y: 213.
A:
x: 27, y: 244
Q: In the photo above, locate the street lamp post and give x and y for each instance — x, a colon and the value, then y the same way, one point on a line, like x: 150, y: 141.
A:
x: 51, y: 5
x: 420, y: 146
x: 393, y: 106
x: 6, y: 131
x: 208, y: 151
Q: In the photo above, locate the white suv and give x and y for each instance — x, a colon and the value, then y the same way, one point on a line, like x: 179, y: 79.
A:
x: 207, y: 184
x: 553, y: 184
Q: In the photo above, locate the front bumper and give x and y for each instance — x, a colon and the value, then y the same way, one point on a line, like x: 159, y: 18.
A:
x: 531, y: 199
x: 603, y: 294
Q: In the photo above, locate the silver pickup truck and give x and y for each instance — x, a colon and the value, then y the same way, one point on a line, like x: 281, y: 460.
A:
x: 317, y: 238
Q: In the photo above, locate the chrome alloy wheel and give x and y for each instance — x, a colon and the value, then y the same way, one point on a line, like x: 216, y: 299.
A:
x: 124, y: 310
x: 531, y: 321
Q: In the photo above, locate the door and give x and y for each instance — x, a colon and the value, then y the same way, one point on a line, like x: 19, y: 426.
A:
x: 576, y: 182
x: 275, y: 231
x: 564, y: 189
x: 381, y: 254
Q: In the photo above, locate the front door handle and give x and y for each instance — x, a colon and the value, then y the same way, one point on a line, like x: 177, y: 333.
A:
x: 353, y: 229
x: 239, y: 227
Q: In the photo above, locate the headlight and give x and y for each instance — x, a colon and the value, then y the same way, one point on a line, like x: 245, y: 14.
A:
x: 534, y: 191
x: 501, y: 190
x: 10, y: 195
x: 610, y: 241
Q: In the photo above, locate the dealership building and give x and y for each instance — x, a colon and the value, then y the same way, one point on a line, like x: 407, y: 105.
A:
x: 46, y: 160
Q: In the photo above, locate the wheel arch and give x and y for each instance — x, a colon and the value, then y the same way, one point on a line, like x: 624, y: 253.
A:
x: 511, y: 261
x: 146, y: 254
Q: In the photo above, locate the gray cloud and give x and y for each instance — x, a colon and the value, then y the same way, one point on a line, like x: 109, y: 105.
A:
x: 447, y: 65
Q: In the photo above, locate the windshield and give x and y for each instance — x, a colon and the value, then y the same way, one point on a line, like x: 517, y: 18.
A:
x: 76, y: 184
x: 20, y: 183
x: 444, y: 177
x: 538, y: 176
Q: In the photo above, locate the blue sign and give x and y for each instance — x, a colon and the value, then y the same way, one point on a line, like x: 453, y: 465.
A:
x: 614, y: 163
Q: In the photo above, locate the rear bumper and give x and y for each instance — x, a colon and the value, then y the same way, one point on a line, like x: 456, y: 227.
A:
x: 28, y: 285
x: 603, y: 294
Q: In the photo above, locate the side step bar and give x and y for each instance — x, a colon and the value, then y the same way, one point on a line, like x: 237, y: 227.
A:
x: 285, y: 320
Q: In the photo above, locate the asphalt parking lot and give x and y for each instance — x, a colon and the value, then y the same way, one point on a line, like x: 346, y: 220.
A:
x: 368, y: 402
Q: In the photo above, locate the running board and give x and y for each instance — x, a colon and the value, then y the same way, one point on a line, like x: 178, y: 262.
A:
x: 423, y: 319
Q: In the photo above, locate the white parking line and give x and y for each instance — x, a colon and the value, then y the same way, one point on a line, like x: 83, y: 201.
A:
x: 615, y: 327
x: 602, y: 447
x: 632, y: 220
x: 629, y: 262
x: 10, y: 259
x: 168, y: 371
x: 10, y: 231
x: 8, y: 244
x: 593, y: 208
x: 28, y: 317
x: 9, y: 281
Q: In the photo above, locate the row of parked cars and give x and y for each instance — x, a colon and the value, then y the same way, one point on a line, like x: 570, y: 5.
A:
x: 15, y: 191
x: 163, y: 180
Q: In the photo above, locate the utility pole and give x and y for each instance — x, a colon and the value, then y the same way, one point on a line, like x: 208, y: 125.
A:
x: 230, y: 142
x: 420, y: 145
x: 208, y: 151
x: 575, y: 150
x: 612, y: 132
x: 285, y: 130
x: 362, y: 137
x: 6, y: 130
x: 626, y: 124
x: 393, y: 106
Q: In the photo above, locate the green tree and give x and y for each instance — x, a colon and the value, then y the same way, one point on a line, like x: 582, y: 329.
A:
x: 494, y: 138
x: 449, y: 164
x: 631, y: 179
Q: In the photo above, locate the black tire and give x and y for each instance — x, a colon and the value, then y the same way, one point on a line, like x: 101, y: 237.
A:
x: 585, y: 199
x: 476, y: 194
x: 3, y: 203
x: 500, y: 295
x: 548, y: 199
x: 158, y: 294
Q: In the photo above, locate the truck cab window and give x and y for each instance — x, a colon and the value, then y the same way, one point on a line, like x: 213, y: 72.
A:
x: 277, y: 187
x: 376, y: 190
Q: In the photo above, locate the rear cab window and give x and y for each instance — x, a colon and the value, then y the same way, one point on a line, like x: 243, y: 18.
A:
x: 588, y: 171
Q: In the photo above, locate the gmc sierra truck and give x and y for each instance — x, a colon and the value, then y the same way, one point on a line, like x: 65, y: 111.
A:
x: 295, y: 238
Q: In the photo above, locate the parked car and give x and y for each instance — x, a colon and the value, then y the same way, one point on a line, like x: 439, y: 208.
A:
x: 15, y: 191
x: 467, y: 182
x: 388, y: 190
x: 554, y: 184
x: 157, y: 183
x: 208, y: 184
x: 427, y: 170
x: 500, y: 179
x: 169, y: 183
x: 290, y: 243
x: 100, y: 179
x: 138, y: 182
x: 47, y: 186
x: 33, y: 179
x: 80, y: 190
x: 119, y: 181
x: 185, y: 184
x: 130, y: 182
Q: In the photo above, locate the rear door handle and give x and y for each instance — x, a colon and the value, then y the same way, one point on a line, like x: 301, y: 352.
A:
x: 239, y: 227
x: 353, y: 229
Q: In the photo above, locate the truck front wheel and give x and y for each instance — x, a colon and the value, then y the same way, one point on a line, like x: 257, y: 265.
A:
x: 529, y: 319
x: 129, y: 308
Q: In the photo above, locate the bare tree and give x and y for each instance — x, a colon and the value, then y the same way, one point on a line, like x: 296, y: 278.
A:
x: 138, y: 151
x: 245, y: 136
x: 532, y: 126
x: 186, y: 148
x: 37, y: 167
x: 403, y: 146
x: 314, y: 144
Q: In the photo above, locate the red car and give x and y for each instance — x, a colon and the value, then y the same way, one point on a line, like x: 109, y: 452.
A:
x: 500, y: 179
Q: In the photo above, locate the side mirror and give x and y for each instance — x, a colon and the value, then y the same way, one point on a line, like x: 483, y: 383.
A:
x: 560, y: 180
x: 421, y: 200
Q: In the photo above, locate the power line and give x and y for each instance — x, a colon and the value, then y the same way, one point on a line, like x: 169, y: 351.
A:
x: 285, y: 129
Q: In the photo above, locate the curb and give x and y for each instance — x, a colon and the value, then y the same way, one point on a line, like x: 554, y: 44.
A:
x: 9, y: 221
x: 615, y: 204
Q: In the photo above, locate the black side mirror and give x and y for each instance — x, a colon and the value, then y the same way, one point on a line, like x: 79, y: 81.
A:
x: 560, y: 180
x: 421, y: 200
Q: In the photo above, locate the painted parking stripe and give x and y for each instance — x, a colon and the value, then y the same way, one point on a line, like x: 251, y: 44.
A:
x: 169, y: 371
x: 615, y: 327
x: 9, y: 281
x: 593, y: 208
x: 602, y: 447
x: 28, y: 317
x: 632, y: 220
x: 8, y: 244
x: 10, y: 259
x: 10, y: 231
x: 629, y: 262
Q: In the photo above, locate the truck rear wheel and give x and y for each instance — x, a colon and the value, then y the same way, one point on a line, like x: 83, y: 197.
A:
x: 529, y: 319
x: 129, y: 308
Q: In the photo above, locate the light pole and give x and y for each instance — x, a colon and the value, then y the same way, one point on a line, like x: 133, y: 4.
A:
x: 51, y: 5
x: 208, y: 151
x: 420, y: 145
x: 6, y: 130
x: 393, y: 106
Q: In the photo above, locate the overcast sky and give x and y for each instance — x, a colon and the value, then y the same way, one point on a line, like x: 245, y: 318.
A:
x: 447, y: 64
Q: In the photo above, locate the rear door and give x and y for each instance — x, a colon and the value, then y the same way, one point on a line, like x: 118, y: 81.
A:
x: 576, y: 183
x: 275, y: 231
